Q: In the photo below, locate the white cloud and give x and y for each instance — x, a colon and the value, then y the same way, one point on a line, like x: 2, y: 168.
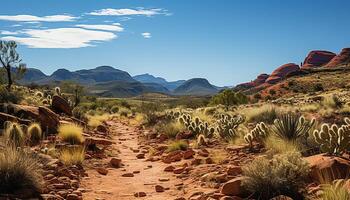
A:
x: 9, y: 32
x: 32, y: 18
x: 61, y: 38
x: 146, y: 35
x: 115, y: 27
x: 127, y: 12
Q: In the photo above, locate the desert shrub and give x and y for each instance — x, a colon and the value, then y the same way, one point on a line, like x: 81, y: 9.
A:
x: 335, y: 191
x: 332, y: 101
x: 291, y: 127
x: 34, y: 133
x: 115, y: 109
x: 150, y: 112
x: 318, y: 87
x: 177, y: 145
x: 96, y: 120
x: 229, y: 98
x: 14, y: 134
x: 272, y: 92
x: 72, y: 156
x: 71, y: 133
x: 10, y: 97
x: 265, y: 113
x: 284, y: 174
x: 79, y: 113
x: 18, y: 170
x: 278, y: 146
x: 171, y: 129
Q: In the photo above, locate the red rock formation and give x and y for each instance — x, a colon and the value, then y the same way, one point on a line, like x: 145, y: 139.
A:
x: 318, y: 58
x: 282, y: 72
x: 342, y: 58
x: 258, y: 81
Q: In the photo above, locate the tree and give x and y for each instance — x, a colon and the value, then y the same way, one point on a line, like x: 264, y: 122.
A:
x: 228, y: 98
x: 73, y: 88
x: 9, y: 59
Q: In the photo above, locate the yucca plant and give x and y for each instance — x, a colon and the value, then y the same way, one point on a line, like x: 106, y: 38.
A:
x: 291, y: 127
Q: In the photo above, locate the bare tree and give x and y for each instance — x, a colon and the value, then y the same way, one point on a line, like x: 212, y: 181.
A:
x: 9, y: 58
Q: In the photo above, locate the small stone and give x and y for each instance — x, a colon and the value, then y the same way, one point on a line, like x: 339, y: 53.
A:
x: 140, y: 156
x: 159, y: 188
x: 169, y: 168
x: 140, y: 194
x: 72, y: 197
x: 128, y: 175
x: 116, y: 162
x: 178, y: 170
x: 102, y: 171
x: 163, y: 179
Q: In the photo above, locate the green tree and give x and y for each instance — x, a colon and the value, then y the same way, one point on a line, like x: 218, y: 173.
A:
x: 74, y: 89
x: 229, y: 98
x: 9, y: 59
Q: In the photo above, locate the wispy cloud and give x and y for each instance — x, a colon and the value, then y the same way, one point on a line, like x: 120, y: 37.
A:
x: 116, y: 27
x: 129, y: 12
x: 62, y: 38
x: 146, y: 35
x: 32, y: 18
x: 9, y: 32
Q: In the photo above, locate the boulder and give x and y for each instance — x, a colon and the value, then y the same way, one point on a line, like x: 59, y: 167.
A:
x: 281, y: 72
x: 258, y: 81
x: 116, y: 162
x: 61, y: 105
x: 317, y: 59
x: 329, y: 167
x: 342, y: 59
x: 232, y: 187
x: 48, y: 119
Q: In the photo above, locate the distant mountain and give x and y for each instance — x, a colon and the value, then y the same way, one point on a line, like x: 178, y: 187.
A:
x: 126, y: 89
x: 148, y: 78
x: 196, y: 86
x: 33, y: 75
x: 110, y: 82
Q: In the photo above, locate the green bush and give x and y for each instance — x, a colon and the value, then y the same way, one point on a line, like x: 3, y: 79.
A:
x: 10, y: 97
x: 229, y: 98
x: 284, y: 174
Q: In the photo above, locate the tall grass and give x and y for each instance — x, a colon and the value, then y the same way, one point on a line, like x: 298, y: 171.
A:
x: 265, y: 113
x: 18, y: 170
x: 71, y: 133
x: 171, y: 129
x: 177, y: 145
x: 72, y: 156
x: 335, y: 191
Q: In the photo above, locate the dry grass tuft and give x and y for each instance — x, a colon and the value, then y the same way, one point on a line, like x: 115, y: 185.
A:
x: 71, y: 133
x: 177, y: 145
x: 72, y: 156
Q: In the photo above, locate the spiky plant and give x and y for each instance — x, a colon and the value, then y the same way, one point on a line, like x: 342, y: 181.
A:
x: 258, y: 134
x: 58, y: 91
x: 14, y: 134
x: 335, y: 191
x: 291, y: 127
x: 228, y: 125
x: 201, y: 140
x: 34, y: 133
x: 333, y: 139
x: 18, y: 171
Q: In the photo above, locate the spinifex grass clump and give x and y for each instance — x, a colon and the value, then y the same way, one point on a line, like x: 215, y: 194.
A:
x: 14, y: 134
x: 34, y: 133
x: 284, y: 174
x: 335, y: 191
x: 334, y: 139
x: 177, y: 145
x: 72, y: 156
x: 18, y: 171
x: 71, y: 133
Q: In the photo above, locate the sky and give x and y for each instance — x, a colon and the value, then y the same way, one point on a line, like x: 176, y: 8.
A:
x: 226, y: 41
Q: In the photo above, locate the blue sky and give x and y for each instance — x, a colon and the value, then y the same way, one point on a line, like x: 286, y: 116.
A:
x: 225, y: 41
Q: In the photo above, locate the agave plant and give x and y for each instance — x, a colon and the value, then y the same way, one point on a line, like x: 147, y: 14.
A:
x: 291, y: 127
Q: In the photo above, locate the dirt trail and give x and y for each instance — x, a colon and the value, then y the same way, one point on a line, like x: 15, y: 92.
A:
x: 116, y: 187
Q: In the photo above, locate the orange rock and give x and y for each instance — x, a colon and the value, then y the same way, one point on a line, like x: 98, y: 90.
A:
x: 159, y: 188
x: 234, y: 170
x: 102, y: 171
x: 188, y: 154
x: 232, y: 187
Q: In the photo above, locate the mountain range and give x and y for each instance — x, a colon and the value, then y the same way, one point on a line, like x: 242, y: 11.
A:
x: 107, y: 81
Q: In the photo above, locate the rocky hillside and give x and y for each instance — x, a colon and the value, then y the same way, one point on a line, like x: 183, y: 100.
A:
x: 316, y: 62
